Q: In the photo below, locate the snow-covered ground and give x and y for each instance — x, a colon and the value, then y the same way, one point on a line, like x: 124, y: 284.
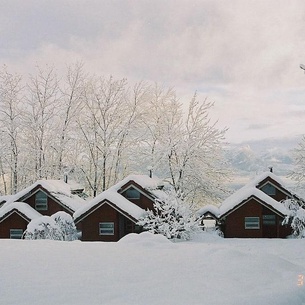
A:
x: 148, y: 269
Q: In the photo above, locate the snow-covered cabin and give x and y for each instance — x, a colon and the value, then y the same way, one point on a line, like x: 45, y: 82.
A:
x: 256, y: 210
x: 115, y: 212
x: 44, y: 197
x: 208, y: 216
x: 14, y: 219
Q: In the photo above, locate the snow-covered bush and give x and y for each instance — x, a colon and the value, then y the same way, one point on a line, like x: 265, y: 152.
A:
x: 43, y: 227
x: 295, y: 217
x: 171, y: 217
x: 66, y: 225
x: 59, y: 226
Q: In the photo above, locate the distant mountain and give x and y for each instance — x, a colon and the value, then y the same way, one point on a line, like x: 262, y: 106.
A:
x: 248, y: 159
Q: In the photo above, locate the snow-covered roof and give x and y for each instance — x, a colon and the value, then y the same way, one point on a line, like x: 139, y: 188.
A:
x: 254, y: 182
x: 112, y: 195
x: 209, y: 208
x: 57, y: 188
x: 251, y: 190
x: 5, y: 198
x: 144, y: 181
x: 247, y: 192
x: 22, y: 207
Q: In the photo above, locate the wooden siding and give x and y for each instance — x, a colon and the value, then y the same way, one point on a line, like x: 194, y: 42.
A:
x: 53, y: 206
x: 235, y: 222
x: 104, y: 213
x: 280, y: 192
x: 13, y: 221
x: 144, y: 202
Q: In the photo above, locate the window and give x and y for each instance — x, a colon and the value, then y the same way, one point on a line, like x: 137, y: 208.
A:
x: 269, y: 220
x: 41, y: 201
x: 106, y: 228
x: 251, y: 222
x: 16, y: 233
x: 268, y: 189
x: 132, y: 193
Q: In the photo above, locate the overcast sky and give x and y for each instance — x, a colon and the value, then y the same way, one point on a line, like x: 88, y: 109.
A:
x: 244, y: 55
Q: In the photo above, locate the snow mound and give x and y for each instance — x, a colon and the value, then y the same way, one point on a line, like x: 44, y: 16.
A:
x: 206, y: 236
x: 145, y: 239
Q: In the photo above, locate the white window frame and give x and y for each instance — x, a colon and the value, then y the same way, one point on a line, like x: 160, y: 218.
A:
x: 106, y: 230
x: 269, y: 189
x: 16, y: 233
x: 269, y: 220
x: 133, y: 189
x: 252, y: 223
x: 41, y: 204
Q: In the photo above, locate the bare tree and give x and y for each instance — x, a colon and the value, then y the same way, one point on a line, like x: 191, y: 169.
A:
x: 41, y: 118
x: 105, y: 123
x: 198, y: 161
x: 10, y: 117
x: 105, y: 129
x: 160, y: 106
x: 298, y: 173
x: 185, y: 149
x: 69, y: 109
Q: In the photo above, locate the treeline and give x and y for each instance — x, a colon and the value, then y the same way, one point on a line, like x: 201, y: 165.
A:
x: 98, y: 129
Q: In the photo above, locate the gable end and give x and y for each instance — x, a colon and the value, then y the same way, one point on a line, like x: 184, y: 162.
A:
x: 8, y: 214
x: 247, y: 200
x: 97, y: 206
x: 38, y: 188
x: 132, y: 184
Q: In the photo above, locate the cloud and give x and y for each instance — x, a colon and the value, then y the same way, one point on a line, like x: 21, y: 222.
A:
x: 258, y: 126
x: 245, y: 56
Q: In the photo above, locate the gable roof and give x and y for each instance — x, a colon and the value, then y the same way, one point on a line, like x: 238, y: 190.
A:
x: 209, y: 209
x: 58, y: 189
x: 114, y: 199
x: 251, y: 190
x: 113, y: 196
x: 243, y: 195
x: 22, y: 208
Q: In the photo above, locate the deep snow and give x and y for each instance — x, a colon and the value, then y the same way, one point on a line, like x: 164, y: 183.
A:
x: 148, y: 269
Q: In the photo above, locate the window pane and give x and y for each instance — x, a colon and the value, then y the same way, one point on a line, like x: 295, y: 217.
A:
x: 106, y: 228
x: 132, y: 193
x: 269, y: 220
x: 251, y: 222
x: 41, y: 201
x: 268, y: 189
x: 16, y: 233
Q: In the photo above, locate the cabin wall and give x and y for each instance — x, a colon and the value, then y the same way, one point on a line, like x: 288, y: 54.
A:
x: 143, y: 202
x: 105, y: 213
x: 235, y: 223
x: 279, y: 195
x: 14, y: 221
x: 53, y: 206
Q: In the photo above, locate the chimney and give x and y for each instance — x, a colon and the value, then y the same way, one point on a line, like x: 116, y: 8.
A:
x: 66, y: 177
x: 150, y: 169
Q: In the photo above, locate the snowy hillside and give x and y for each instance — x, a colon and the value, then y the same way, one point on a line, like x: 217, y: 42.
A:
x: 252, y: 158
x: 149, y: 269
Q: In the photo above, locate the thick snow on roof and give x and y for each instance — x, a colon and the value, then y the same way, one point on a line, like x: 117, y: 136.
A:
x: 22, y: 207
x: 262, y: 177
x: 144, y: 181
x: 113, y: 196
x: 5, y: 198
x: 250, y: 190
x: 120, y: 201
x: 213, y: 209
x: 57, y: 188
